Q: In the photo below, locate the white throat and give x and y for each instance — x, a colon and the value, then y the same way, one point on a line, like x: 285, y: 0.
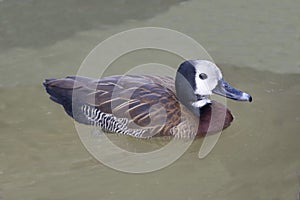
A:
x: 201, y: 103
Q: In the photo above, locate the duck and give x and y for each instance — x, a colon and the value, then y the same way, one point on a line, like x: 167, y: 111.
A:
x: 145, y: 106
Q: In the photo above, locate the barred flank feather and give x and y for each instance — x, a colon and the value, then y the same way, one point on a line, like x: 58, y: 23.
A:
x: 110, y: 123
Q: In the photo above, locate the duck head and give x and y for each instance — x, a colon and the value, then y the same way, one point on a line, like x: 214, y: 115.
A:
x: 196, y: 80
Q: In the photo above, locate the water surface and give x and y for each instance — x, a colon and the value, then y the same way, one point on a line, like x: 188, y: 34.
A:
x: 257, y: 47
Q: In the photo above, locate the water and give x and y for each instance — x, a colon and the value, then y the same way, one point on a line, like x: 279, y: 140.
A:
x: 257, y: 47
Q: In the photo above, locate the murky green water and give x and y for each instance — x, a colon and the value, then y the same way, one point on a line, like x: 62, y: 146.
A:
x: 257, y: 47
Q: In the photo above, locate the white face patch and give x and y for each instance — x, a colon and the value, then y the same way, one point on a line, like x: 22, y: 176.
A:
x: 211, y: 73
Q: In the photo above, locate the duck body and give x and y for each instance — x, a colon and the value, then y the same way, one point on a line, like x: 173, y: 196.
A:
x: 141, y: 106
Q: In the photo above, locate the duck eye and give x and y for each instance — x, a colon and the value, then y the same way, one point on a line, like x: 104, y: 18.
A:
x: 202, y: 76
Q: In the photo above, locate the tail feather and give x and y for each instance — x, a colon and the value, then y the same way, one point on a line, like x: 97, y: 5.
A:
x: 61, y: 92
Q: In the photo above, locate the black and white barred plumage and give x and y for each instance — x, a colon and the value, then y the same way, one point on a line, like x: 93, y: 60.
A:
x: 109, y: 122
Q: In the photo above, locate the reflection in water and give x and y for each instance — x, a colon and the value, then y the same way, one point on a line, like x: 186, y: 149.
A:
x: 60, y: 20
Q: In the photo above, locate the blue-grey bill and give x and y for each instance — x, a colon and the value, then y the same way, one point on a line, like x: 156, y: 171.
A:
x: 225, y: 89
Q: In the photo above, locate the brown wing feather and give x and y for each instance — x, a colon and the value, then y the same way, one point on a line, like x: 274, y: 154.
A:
x: 146, y: 101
